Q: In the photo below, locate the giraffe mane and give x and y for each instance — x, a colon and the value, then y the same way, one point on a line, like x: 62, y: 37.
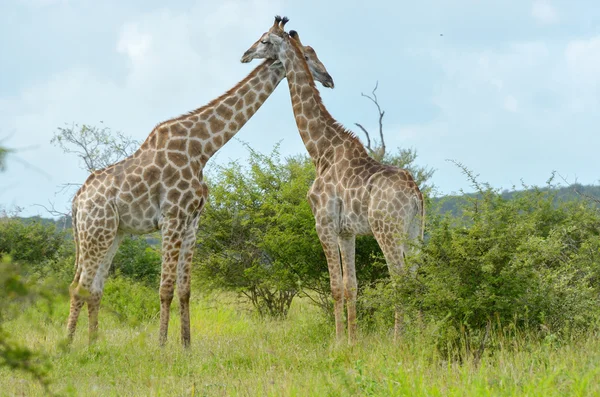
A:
x: 325, y: 113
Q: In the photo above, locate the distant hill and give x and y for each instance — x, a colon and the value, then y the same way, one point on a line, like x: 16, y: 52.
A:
x: 442, y: 204
x: 576, y: 191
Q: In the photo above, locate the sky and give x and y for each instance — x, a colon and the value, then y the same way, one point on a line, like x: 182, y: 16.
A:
x: 509, y: 88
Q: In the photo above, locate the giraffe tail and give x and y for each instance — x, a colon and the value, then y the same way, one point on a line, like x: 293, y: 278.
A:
x: 417, y: 223
x: 76, y: 238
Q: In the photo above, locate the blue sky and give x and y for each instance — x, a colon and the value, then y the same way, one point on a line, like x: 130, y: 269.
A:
x: 509, y: 88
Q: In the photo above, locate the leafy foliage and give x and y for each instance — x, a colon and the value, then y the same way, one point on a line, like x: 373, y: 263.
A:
x: 33, y: 243
x: 257, y: 235
x: 19, y: 291
x: 137, y: 260
x: 130, y: 301
x: 531, y: 261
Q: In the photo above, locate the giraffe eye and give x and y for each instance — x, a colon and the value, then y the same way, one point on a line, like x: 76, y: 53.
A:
x: 306, y: 57
x: 264, y: 42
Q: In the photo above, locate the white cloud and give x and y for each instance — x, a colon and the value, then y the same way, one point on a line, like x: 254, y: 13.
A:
x: 544, y: 12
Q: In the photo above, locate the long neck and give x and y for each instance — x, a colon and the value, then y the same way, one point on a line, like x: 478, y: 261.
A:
x: 208, y: 128
x: 319, y: 131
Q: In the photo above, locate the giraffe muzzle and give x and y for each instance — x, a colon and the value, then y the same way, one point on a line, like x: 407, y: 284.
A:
x: 328, y: 81
x: 248, y: 56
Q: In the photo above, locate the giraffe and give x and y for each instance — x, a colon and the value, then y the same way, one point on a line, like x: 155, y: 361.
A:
x: 352, y: 193
x: 160, y: 187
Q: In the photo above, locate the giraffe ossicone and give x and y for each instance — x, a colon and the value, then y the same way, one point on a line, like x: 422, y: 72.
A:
x: 160, y: 187
x: 352, y: 193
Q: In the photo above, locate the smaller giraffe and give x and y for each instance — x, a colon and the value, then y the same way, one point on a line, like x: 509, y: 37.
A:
x: 352, y: 193
x: 160, y: 187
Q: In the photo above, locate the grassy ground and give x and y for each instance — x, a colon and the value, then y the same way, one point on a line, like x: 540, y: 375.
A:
x: 234, y: 353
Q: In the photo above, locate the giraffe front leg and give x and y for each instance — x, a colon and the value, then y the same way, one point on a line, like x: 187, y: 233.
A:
x: 347, y: 249
x: 172, y: 236
x: 167, y: 288
x: 184, y: 281
x: 329, y: 241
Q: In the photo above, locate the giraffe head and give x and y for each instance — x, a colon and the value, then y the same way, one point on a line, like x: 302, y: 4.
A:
x: 267, y: 47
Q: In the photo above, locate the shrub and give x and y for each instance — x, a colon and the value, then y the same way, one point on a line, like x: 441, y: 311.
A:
x: 137, y: 260
x: 129, y: 301
x: 531, y: 261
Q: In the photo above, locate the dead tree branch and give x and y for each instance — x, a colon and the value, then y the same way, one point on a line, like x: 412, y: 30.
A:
x: 379, y: 151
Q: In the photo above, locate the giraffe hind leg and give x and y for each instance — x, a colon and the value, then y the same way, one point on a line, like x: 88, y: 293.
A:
x: 94, y: 245
x: 97, y: 288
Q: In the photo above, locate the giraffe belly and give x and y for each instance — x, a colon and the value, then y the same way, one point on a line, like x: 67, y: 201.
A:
x: 354, y: 224
x: 138, y: 217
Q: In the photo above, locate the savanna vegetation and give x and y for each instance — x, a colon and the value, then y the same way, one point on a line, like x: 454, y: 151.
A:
x: 505, y: 299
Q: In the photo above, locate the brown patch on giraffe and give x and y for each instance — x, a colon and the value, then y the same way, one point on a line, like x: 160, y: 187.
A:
x: 187, y: 196
x: 186, y: 173
x: 177, y: 158
x: 177, y: 144
x: 250, y: 96
x: 168, y: 172
x: 231, y: 101
x: 187, y: 123
x: 224, y: 111
x: 240, y: 118
x: 178, y: 130
x: 139, y: 189
x: 160, y: 159
x: 218, y: 141
x: 239, y: 105
x: 162, y: 136
x: 200, y: 131
x: 183, y: 185
x: 194, y: 148
x: 127, y: 197
x: 243, y: 90
x: 151, y: 175
x: 216, y: 125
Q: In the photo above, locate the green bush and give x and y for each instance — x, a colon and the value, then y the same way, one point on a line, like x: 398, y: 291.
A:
x: 531, y: 261
x: 137, y: 260
x: 130, y: 301
x: 34, y: 243
x: 17, y: 292
x: 257, y: 236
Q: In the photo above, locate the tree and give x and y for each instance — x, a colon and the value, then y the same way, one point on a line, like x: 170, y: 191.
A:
x: 257, y: 235
x: 97, y: 147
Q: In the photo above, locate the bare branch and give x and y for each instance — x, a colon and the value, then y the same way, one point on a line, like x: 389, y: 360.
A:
x: 97, y: 147
x: 584, y: 195
x: 53, y: 211
x: 368, y: 137
x: 378, y: 152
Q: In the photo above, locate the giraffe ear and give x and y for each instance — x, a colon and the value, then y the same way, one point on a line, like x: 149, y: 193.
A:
x: 294, y: 35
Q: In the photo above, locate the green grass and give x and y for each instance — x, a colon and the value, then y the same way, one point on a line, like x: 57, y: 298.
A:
x: 235, y: 353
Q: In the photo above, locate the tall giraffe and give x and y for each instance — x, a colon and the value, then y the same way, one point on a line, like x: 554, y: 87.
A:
x: 160, y: 187
x: 352, y: 193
